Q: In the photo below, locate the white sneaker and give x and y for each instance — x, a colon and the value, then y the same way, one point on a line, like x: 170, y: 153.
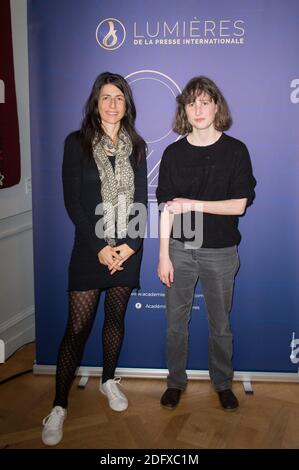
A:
x: 117, y: 400
x: 53, y: 426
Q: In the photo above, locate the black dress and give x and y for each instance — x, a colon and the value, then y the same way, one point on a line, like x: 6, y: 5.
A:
x: 82, y: 194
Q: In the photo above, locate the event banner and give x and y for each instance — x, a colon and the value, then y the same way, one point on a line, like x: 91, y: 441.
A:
x: 250, y: 50
x: 10, y: 170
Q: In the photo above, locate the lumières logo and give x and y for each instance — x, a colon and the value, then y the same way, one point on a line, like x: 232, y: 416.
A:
x: 110, y: 34
x: 196, y: 31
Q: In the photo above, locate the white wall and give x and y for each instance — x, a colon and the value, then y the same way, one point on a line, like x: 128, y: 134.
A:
x: 16, y: 253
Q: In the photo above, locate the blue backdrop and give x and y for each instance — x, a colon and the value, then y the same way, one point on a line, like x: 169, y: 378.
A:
x: 250, y: 50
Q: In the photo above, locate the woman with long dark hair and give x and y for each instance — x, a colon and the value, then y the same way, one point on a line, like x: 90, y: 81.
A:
x: 104, y: 175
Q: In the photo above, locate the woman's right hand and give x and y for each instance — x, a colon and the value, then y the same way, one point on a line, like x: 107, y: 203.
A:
x: 107, y: 256
x: 166, y: 271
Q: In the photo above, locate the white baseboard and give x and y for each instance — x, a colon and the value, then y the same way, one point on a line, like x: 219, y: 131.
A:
x: 2, y: 351
x: 239, y: 376
x: 18, y: 330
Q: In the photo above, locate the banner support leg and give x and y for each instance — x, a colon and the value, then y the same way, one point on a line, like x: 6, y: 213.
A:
x: 247, y: 387
x: 83, y: 381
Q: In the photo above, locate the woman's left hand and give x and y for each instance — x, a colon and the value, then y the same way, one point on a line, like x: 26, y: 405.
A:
x: 124, y: 251
x: 180, y: 205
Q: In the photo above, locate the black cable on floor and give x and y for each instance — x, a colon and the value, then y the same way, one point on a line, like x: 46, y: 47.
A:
x: 15, y: 376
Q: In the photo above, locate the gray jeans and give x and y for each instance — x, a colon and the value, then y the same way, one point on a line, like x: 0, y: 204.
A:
x: 216, y: 269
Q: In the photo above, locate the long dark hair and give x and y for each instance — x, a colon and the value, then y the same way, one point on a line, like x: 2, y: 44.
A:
x: 194, y: 88
x: 91, y: 123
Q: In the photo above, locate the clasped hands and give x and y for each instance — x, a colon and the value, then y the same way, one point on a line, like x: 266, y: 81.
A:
x: 114, y: 256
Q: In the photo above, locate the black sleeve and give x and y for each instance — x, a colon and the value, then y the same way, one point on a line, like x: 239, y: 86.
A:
x: 71, y: 178
x: 140, y: 196
x: 243, y: 181
x: 165, y: 190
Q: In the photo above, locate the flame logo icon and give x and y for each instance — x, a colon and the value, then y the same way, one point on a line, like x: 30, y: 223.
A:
x: 111, y: 33
x: 106, y: 34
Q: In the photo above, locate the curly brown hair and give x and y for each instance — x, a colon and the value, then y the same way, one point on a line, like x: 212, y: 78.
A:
x: 194, y: 88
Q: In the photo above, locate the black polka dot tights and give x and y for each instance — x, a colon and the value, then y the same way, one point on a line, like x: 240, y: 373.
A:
x: 82, y: 312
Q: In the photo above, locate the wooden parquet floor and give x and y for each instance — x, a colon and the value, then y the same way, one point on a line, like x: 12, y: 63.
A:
x: 268, y: 419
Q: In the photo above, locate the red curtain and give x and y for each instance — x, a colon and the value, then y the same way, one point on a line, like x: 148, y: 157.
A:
x: 10, y: 168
